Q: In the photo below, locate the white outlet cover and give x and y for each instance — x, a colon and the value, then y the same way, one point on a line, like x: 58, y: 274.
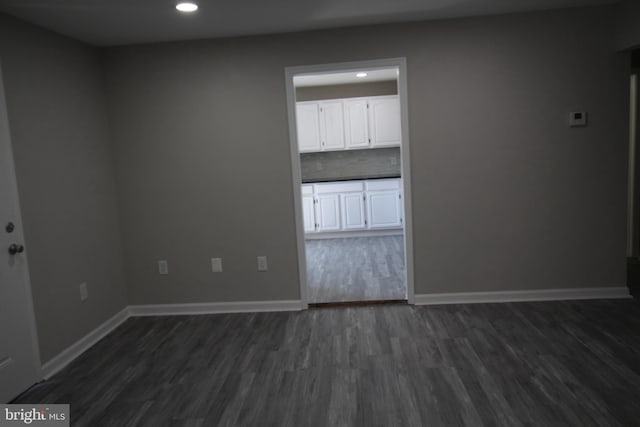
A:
x: 84, y: 293
x: 216, y: 265
x: 262, y: 263
x: 163, y: 267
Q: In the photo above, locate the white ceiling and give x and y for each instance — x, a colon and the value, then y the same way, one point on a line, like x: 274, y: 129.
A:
x: 119, y: 22
x: 345, y: 78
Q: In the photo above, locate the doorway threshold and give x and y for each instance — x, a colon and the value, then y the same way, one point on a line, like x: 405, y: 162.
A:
x: 357, y: 303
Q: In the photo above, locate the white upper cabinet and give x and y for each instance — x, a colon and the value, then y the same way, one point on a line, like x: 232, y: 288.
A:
x: 356, y: 123
x: 384, y: 120
x: 331, y: 125
x: 308, y: 120
x: 352, y: 123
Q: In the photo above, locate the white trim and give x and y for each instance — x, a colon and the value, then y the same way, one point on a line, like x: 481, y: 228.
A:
x: 631, y: 191
x: 290, y: 72
x: 83, y: 344
x: 405, y: 162
x: 297, y: 179
x: 215, y: 308
x: 515, y: 296
x: 363, y: 233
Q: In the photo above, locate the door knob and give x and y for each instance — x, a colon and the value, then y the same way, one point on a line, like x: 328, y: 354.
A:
x: 16, y: 249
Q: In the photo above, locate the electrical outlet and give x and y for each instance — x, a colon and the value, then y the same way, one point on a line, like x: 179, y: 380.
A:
x: 262, y: 263
x: 578, y: 119
x: 216, y: 265
x: 394, y: 161
x: 84, y: 293
x: 163, y: 267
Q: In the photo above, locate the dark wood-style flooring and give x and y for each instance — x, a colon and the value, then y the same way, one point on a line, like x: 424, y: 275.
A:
x: 356, y: 269
x: 520, y: 364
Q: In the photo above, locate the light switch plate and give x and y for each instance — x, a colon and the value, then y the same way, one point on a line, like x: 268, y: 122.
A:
x: 163, y: 267
x: 84, y: 293
x: 577, y: 119
x: 262, y: 263
x: 216, y: 265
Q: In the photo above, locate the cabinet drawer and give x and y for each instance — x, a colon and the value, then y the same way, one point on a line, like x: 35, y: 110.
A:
x: 383, y: 184
x: 307, y: 190
x: 339, y: 187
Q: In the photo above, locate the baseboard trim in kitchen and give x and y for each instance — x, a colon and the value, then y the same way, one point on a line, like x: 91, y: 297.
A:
x: 215, y: 308
x: 516, y: 296
x: 56, y: 364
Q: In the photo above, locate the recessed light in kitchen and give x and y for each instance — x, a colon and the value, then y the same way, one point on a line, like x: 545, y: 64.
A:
x: 187, y: 7
x: 361, y: 75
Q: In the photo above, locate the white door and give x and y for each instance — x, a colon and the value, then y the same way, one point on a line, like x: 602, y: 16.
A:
x: 356, y: 124
x: 308, y: 123
x: 308, y: 214
x: 19, y: 360
x: 332, y: 125
x: 353, y: 217
x: 384, y: 209
x: 328, y: 212
x: 384, y: 121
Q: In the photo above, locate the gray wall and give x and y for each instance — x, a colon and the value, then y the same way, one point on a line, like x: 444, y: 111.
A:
x: 65, y: 176
x: 350, y: 164
x: 505, y: 195
x: 314, y: 93
x: 627, y: 28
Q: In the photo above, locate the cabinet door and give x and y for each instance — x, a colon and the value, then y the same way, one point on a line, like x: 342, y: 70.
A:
x: 353, y: 217
x: 356, y: 124
x: 308, y: 122
x: 384, y: 121
x: 308, y: 214
x: 384, y: 209
x: 328, y: 212
x: 332, y: 125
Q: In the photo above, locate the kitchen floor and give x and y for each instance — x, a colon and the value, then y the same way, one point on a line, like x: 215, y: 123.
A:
x: 356, y: 269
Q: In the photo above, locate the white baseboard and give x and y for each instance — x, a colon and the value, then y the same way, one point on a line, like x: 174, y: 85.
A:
x: 215, y: 307
x: 515, y: 296
x: 83, y: 344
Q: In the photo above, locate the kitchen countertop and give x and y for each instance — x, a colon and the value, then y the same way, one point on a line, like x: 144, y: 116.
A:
x: 349, y: 178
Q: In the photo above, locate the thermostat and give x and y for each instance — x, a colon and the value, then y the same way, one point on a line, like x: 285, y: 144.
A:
x: 577, y: 119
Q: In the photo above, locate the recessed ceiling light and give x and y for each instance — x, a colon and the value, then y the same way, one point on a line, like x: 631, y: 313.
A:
x: 187, y: 7
x: 361, y: 75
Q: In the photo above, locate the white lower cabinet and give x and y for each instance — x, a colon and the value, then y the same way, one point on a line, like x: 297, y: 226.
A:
x: 309, y: 216
x: 328, y: 212
x: 308, y: 205
x: 353, y: 216
x: 352, y: 205
x: 384, y: 209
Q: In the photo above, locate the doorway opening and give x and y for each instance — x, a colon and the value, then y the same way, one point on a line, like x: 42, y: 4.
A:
x: 350, y: 159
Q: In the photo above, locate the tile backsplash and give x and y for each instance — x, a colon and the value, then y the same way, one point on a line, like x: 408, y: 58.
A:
x: 350, y: 164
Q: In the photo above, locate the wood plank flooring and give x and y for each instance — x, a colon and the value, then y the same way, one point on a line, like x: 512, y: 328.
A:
x: 356, y: 269
x: 520, y: 364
